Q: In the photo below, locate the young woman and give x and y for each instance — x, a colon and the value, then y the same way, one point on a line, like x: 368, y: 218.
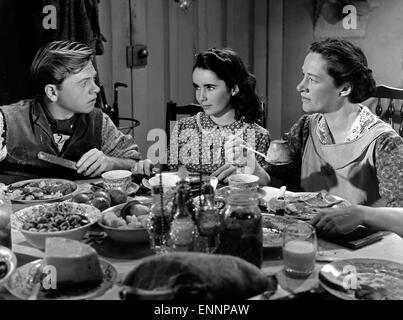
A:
x: 341, y: 146
x: 231, y: 110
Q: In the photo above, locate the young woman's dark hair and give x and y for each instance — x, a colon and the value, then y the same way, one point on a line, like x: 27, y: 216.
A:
x: 346, y: 63
x: 228, y: 66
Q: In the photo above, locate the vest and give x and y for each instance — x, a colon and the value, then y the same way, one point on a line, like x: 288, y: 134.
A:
x: 28, y: 132
x: 344, y: 169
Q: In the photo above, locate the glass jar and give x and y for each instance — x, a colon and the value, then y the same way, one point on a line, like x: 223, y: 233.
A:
x: 241, y: 233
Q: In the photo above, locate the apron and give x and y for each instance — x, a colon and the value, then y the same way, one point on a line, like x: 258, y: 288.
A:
x: 345, y: 169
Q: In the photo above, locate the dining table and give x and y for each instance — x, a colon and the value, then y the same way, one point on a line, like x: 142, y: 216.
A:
x: 125, y: 257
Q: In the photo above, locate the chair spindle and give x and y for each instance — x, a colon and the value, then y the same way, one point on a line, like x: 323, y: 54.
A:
x: 378, y: 109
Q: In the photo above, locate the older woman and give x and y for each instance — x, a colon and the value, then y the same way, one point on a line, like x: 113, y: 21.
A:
x: 341, y: 146
x: 231, y: 109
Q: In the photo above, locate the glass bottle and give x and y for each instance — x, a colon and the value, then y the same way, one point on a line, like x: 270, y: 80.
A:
x: 160, y: 222
x: 184, y: 184
x: 241, y: 232
x: 182, y: 227
x: 5, y: 215
x: 208, y: 222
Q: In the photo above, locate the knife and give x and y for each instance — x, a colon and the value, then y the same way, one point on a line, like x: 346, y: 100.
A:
x: 57, y: 160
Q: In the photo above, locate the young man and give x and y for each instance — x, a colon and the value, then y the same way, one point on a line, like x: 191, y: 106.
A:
x: 62, y: 121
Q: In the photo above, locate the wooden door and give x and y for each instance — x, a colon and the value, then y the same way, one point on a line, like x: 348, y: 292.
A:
x: 173, y: 37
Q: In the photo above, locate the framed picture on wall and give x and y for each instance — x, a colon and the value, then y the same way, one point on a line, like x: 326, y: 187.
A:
x: 342, y: 18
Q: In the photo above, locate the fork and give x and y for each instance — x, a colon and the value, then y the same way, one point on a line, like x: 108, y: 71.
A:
x: 253, y: 150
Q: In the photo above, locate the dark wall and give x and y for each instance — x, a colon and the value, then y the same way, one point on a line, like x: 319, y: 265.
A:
x: 22, y: 34
x: 20, y: 38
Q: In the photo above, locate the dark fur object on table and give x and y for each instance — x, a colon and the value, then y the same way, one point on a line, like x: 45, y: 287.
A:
x: 191, y: 276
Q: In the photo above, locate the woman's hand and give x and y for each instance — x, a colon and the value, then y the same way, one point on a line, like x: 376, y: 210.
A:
x: 235, y: 154
x: 224, y: 172
x: 338, y: 220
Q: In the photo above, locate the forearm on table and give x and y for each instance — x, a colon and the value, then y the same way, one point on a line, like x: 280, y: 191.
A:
x: 383, y: 218
x: 121, y: 164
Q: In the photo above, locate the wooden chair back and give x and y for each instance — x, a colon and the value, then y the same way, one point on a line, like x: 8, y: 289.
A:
x: 173, y: 110
x: 387, y: 104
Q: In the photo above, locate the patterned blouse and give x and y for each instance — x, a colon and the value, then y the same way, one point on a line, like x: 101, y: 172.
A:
x: 388, y: 154
x: 209, y: 155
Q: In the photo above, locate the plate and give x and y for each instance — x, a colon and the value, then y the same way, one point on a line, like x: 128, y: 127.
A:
x: 273, y: 227
x: 44, y: 190
x: 350, y: 279
x: 306, y: 205
x: 279, y: 163
x: 20, y: 284
x: 131, y: 189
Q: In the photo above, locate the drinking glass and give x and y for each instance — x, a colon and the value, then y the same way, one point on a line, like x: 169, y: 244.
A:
x: 299, y: 249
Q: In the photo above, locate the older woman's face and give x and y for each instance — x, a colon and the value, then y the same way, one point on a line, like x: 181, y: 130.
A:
x: 211, y: 92
x: 317, y: 89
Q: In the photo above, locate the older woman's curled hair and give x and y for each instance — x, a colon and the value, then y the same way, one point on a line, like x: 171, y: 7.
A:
x: 346, y: 63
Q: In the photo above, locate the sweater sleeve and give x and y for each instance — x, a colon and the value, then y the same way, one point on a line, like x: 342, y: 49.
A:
x: 389, y: 168
x: 115, y: 143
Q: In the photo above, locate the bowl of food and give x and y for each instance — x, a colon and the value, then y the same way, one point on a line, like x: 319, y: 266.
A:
x: 8, y: 263
x: 63, y: 219
x: 127, y: 222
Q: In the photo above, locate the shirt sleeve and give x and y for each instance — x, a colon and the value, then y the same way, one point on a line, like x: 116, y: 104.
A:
x: 263, y: 143
x: 115, y: 143
x: 3, y: 147
x: 298, y: 136
x: 389, y: 168
x: 173, y: 147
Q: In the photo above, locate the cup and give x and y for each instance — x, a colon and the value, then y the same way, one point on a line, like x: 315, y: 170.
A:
x: 278, y: 152
x: 299, y: 249
x: 117, y: 179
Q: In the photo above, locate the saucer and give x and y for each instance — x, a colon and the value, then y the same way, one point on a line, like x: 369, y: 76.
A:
x: 279, y: 163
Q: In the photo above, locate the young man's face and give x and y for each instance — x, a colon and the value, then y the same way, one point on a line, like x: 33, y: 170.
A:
x: 78, y: 92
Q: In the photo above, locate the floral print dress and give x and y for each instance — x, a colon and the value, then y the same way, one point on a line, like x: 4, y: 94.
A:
x: 198, y: 142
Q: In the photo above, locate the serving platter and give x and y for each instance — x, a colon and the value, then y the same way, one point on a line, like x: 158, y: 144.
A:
x: 21, y: 284
x: 41, y: 190
x: 363, y: 279
x: 306, y: 205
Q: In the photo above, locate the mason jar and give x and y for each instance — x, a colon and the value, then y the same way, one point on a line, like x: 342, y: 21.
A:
x: 241, y: 232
